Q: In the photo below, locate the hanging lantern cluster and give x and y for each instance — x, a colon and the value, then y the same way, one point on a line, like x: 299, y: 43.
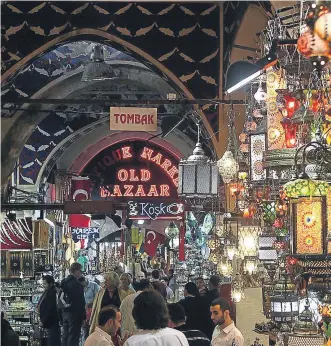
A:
x: 314, y: 42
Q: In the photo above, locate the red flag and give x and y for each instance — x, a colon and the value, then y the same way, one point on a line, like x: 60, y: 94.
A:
x: 80, y: 188
x: 80, y: 191
x: 181, y: 253
x: 152, y: 240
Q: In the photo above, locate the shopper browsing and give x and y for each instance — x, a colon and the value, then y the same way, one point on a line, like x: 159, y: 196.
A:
x: 225, y: 333
x: 151, y: 317
x: 72, y: 303
x: 109, y: 321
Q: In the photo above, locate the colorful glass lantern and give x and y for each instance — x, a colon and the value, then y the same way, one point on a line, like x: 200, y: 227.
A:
x: 172, y: 230
x: 213, y: 257
x: 269, y: 212
x: 228, y: 166
x: 305, y: 324
x: 323, y: 26
x: 291, y: 105
x: 290, y: 133
x: 306, y: 188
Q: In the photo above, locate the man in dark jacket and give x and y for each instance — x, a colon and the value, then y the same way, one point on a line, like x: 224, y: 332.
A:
x: 189, y: 303
x: 73, y: 316
x: 177, y: 321
x: 8, y: 336
x: 206, y: 324
x: 48, y: 312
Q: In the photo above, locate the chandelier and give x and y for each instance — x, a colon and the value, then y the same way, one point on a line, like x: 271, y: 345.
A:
x: 228, y: 166
x: 198, y: 177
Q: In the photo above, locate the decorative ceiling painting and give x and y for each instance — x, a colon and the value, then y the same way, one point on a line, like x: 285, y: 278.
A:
x: 169, y: 33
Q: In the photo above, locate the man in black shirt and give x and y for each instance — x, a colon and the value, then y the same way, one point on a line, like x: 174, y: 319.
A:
x: 177, y: 321
x: 74, y: 315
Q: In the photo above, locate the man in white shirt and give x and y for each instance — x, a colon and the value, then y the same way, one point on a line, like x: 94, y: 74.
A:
x: 128, y: 325
x: 151, y: 318
x: 225, y: 333
x: 109, y: 321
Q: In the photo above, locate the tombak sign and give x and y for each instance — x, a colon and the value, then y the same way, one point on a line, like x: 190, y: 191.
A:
x: 136, y: 169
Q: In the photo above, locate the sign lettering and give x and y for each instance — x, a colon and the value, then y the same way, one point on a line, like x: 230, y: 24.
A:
x: 133, y: 119
x: 91, y: 233
x: 146, y: 210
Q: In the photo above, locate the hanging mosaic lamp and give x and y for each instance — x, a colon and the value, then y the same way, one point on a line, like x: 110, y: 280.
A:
x: 214, y: 257
x: 269, y: 212
x: 228, y: 167
x: 230, y: 251
x: 213, y: 243
x: 290, y: 133
x: 306, y: 188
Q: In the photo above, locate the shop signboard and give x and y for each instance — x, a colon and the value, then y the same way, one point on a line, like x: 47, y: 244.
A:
x: 134, y: 170
x: 90, y: 234
x: 133, y: 119
x: 148, y: 210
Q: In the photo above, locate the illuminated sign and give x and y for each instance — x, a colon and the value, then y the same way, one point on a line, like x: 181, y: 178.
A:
x: 135, y: 169
x: 143, y: 210
x: 133, y: 119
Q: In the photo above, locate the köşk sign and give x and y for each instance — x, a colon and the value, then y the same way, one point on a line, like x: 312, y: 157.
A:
x: 147, y: 210
x: 133, y: 119
x: 136, y: 169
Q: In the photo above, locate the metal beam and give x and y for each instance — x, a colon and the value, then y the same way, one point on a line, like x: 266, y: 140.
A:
x: 123, y: 102
x: 32, y: 206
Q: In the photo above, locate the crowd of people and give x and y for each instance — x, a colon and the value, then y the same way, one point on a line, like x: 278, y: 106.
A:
x: 139, y: 312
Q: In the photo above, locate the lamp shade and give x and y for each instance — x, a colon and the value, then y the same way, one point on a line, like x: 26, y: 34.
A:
x: 306, y: 188
x: 198, y: 176
x: 228, y: 166
x: 97, y: 69
x: 239, y: 74
x: 284, y: 308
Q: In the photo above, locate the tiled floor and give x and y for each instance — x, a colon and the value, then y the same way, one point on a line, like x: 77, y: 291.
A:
x: 249, y: 312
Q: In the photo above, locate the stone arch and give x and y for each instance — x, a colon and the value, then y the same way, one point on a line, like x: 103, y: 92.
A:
x: 106, y: 38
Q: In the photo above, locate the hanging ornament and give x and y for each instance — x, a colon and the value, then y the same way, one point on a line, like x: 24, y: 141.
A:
x: 290, y: 133
x: 228, y: 167
x: 323, y: 26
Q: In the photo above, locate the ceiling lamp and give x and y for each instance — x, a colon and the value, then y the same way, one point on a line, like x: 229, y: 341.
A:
x: 224, y: 268
x: 197, y: 177
x: 237, y: 288
x: 228, y: 166
x: 97, y: 69
x: 241, y: 73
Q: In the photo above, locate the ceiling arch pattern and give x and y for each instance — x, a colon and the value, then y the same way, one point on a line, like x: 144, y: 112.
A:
x: 185, y: 38
x: 71, y: 121
x: 164, y: 31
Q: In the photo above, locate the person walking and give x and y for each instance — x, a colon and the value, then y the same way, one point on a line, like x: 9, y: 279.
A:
x: 177, y: 321
x: 201, y: 286
x: 109, y: 295
x: 150, y: 314
x: 109, y: 322
x: 225, y: 333
x: 126, y: 285
x: 190, y: 303
x: 205, y: 323
x: 48, y: 313
x: 74, y: 315
x: 90, y: 291
x: 128, y: 325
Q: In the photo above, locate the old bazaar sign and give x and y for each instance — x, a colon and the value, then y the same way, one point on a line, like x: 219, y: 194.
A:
x: 135, y: 169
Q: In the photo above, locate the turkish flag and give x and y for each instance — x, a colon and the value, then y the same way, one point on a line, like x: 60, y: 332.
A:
x: 80, y: 191
x: 80, y: 188
x: 152, y: 240
x: 181, y: 253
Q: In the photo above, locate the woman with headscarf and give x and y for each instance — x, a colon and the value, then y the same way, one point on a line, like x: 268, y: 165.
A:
x: 126, y: 287
x: 110, y: 294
